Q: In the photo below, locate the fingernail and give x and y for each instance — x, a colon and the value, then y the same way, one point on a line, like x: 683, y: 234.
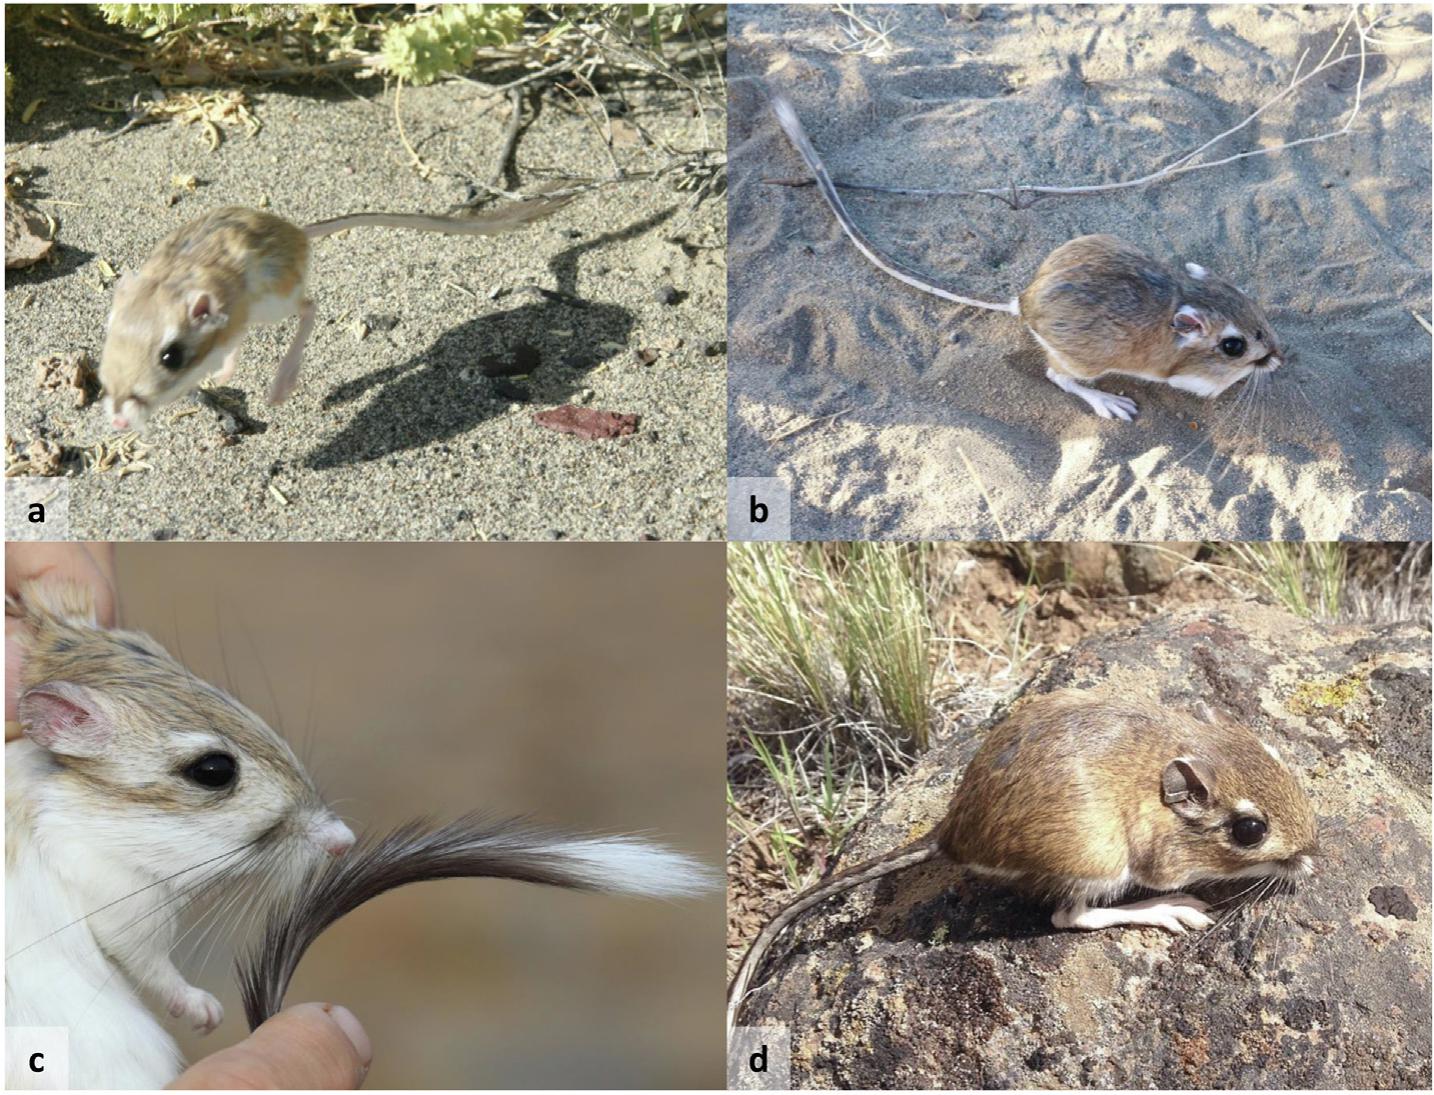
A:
x: 353, y: 1031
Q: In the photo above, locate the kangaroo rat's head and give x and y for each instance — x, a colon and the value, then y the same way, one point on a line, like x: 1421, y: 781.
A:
x: 1221, y: 335
x: 152, y: 764
x: 159, y: 346
x: 1238, y: 810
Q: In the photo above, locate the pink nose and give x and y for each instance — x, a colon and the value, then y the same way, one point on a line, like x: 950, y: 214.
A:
x: 120, y: 422
x: 332, y: 835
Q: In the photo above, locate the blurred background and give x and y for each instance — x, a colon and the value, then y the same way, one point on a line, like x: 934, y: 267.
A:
x: 582, y: 684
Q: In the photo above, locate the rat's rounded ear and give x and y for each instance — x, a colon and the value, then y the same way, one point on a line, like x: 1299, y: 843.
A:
x: 1186, y: 786
x: 1190, y: 323
x: 65, y: 719
x: 205, y: 309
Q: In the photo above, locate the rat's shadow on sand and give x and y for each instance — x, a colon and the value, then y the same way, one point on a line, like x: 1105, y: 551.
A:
x: 426, y: 400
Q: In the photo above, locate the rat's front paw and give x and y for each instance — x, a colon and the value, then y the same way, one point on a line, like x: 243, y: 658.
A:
x: 196, y: 1006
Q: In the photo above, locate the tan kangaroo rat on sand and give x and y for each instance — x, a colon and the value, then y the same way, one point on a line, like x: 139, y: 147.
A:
x: 1077, y: 800
x: 139, y: 790
x: 183, y: 315
x: 1098, y: 305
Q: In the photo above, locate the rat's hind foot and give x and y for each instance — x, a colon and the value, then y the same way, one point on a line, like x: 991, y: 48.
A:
x: 1102, y: 403
x: 1174, y: 912
x: 196, y: 1006
x: 288, y: 373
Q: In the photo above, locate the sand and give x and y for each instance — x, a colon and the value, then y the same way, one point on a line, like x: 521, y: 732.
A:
x: 869, y: 398
x: 398, y: 435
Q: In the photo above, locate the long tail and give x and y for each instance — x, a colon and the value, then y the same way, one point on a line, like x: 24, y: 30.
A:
x: 505, y: 218
x: 908, y: 856
x: 792, y: 126
x: 467, y: 848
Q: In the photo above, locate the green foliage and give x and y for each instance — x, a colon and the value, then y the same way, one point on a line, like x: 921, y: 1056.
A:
x: 420, y: 48
x: 444, y: 41
x: 153, y: 18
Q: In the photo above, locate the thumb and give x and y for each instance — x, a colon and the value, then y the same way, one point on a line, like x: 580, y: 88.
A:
x: 305, y: 1046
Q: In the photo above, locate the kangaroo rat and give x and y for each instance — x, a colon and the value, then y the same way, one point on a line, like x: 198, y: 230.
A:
x: 136, y: 790
x: 1078, y: 800
x: 183, y: 315
x: 1098, y: 305
x: 139, y: 789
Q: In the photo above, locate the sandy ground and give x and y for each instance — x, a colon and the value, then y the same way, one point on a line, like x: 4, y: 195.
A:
x: 400, y: 435
x: 865, y: 395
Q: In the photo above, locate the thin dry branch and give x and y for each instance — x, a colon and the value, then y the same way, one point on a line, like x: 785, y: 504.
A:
x: 1012, y: 194
x: 510, y: 135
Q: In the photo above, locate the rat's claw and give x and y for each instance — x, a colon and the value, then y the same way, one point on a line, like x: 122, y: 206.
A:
x: 1190, y: 911
x: 1113, y: 406
x: 1102, y: 403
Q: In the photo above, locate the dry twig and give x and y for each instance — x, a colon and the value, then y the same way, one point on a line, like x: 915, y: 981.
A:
x: 1013, y: 194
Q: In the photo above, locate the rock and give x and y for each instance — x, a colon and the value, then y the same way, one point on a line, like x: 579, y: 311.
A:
x: 586, y: 422
x: 28, y: 234
x: 1149, y: 568
x: 1100, y: 570
x: 1061, y: 604
x: 73, y: 373
x: 47, y: 458
x: 1092, y: 568
x: 930, y: 979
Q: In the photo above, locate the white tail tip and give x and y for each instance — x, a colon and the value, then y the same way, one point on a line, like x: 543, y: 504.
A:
x: 621, y: 864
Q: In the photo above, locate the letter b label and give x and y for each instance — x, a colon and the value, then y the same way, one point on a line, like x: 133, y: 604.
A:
x: 758, y: 508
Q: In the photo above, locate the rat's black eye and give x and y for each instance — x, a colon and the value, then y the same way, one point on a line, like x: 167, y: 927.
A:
x: 1248, y: 831
x: 213, y: 770
x: 172, y: 357
x: 1232, y: 346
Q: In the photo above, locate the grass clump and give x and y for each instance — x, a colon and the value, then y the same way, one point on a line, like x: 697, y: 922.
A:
x: 1306, y: 578
x: 830, y: 651
x: 1334, y: 582
x: 835, y: 632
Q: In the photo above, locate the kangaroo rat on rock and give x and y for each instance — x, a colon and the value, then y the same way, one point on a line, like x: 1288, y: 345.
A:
x: 139, y: 789
x: 1098, y: 305
x: 184, y: 314
x: 1078, y: 800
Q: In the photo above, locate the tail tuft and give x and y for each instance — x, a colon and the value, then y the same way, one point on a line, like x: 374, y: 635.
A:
x: 470, y: 847
x: 626, y: 865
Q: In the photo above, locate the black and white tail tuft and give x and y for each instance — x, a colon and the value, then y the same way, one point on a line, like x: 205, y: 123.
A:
x: 467, y: 848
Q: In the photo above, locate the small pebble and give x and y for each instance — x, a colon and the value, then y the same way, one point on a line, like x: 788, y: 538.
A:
x: 667, y: 294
